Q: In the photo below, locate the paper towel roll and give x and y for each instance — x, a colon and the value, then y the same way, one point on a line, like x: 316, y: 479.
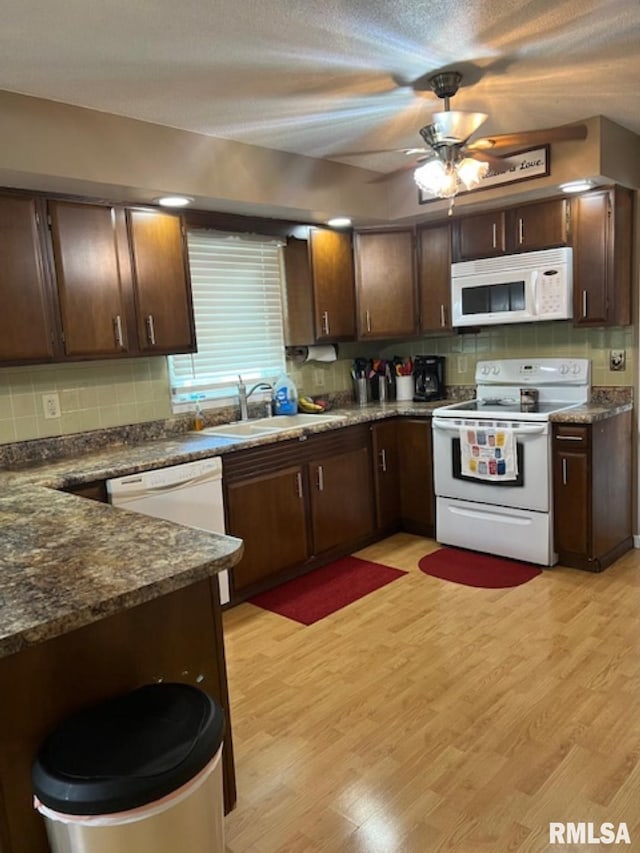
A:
x: 328, y: 352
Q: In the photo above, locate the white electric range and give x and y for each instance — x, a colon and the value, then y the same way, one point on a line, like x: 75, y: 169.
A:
x: 492, y: 457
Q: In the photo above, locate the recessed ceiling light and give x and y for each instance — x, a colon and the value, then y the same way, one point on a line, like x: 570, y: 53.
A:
x: 339, y: 222
x: 576, y: 186
x: 174, y: 200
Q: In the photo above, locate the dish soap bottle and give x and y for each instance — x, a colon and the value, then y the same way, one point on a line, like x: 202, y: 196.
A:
x: 198, y: 420
x: 285, y: 396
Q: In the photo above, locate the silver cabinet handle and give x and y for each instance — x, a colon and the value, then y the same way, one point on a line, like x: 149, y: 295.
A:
x: 368, y: 319
x: 383, y: 460
x: 299, y: 484
x: 320, y: 479
x: 443, y: 322
x: 117, y: 331
x: 569, y: 438
x: 151, y: 332
x: 494, y: 235
x: 564, y: 472
x: 584, y: 304
x: 325, y: 322
x: 520, y: 231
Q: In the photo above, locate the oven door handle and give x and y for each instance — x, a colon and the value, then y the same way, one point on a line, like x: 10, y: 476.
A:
x: 523, y: 430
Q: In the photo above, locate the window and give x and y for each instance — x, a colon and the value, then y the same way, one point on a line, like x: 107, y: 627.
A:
x: 237, y: 300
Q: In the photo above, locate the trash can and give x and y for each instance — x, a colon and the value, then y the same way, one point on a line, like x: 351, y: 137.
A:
x: 140, y: 773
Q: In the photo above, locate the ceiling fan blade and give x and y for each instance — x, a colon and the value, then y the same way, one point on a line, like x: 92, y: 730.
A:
x: 563, y: 133
x: 497, y: 163
x: 378, y: 151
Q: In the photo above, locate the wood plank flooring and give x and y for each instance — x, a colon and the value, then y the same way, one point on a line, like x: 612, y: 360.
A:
x: 431, y: 716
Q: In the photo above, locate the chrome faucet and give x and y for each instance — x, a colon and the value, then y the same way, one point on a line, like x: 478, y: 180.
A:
x: 243, y: 395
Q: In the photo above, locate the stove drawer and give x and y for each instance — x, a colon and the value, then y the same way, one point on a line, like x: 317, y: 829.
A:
x: 508, y: 532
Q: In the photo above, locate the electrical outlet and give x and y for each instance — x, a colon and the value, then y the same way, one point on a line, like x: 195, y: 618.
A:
x: 51, y: 406
x: 318, y: 378
x: 462, y: 364
x: 617, y: 359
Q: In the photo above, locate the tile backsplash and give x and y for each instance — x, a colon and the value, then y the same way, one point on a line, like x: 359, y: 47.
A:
x: 92, y: 395
x: 95, y: 395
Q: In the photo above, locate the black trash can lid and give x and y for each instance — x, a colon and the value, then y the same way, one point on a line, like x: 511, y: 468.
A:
x: 128, y: 751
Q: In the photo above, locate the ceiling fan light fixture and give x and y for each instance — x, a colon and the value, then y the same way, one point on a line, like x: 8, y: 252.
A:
x: 471, y: 171
x: 437, y: 178
x: 443, y: 179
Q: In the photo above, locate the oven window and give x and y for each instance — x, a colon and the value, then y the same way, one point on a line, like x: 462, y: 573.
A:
x: 493, y: 298
x: 458, y: 475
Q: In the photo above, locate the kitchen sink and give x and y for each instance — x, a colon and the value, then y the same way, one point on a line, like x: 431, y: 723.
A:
x: 238, y: 430
x: 267, y: 426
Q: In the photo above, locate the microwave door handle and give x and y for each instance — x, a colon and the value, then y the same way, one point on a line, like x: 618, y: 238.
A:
x: 535, y: 289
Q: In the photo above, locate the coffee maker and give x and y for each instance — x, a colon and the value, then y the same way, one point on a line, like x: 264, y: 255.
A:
x: 428, y: 378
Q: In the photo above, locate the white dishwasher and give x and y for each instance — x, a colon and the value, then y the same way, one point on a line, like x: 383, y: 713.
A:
x: 188, y: 494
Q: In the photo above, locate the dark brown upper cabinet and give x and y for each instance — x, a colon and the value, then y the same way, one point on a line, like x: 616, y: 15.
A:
x: 89, y: 256
x: 526, y: 228
x: 386, y: 292
x: 27, y: 327
x: 542, y: 225
x: 602, y: 233
x: 481, y: 236
x: 320, y: 288
x: 161, y: 282
x: 434, y: 277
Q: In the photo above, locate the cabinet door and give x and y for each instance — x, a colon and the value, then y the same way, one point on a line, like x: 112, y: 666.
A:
x: 434, y: 276
x: 386, y: 284
x: 331, y: 255
x: 482, y: 235
x: 341, y: 497
x: 416, y: 475
x: 543, y: 225
x: 385, y: 468
x: 26, y: 320
x: 88, y: 258
x: 161, y: 282
x: 268, y: 513
x: 602, y: 228
x: 572, y: 492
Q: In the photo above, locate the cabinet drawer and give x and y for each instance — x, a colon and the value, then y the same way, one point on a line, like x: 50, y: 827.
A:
x: 571, y: 437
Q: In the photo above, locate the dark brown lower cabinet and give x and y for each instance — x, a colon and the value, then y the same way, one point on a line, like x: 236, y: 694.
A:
x: 415, y: 458
x: 386, y: 473
x: 592, y: 492
x: 341, y: 498
x: 268, y: 512
x: 298, y: 504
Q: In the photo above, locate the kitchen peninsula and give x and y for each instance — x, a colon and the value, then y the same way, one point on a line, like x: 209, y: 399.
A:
x: 94, y: 602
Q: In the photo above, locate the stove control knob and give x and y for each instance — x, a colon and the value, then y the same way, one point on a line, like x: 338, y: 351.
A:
x: 564, y: 369
x: 576, y: 369
x: 484, y: 370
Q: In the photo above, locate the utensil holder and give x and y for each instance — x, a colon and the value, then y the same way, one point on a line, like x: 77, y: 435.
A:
x: 405, y: 387
x: 362, y: 391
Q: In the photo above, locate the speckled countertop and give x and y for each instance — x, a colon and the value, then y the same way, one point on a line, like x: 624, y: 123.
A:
x: 66, y: 561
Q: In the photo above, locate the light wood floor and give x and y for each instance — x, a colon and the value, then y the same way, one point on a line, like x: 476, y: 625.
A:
x: 430, y: 716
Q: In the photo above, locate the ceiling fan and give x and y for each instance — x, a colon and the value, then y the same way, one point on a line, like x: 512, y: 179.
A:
x: 450, y: 158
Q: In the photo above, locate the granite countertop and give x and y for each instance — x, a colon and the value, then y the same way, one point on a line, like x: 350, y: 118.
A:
x: 67, y: 561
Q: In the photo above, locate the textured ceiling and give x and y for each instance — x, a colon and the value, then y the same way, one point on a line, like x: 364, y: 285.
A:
x: 321, y: 77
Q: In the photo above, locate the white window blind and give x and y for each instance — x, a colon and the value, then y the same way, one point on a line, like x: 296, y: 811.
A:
x: 237, y: 300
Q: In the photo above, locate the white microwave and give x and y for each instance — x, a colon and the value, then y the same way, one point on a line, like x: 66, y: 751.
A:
x: 522, y: 288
